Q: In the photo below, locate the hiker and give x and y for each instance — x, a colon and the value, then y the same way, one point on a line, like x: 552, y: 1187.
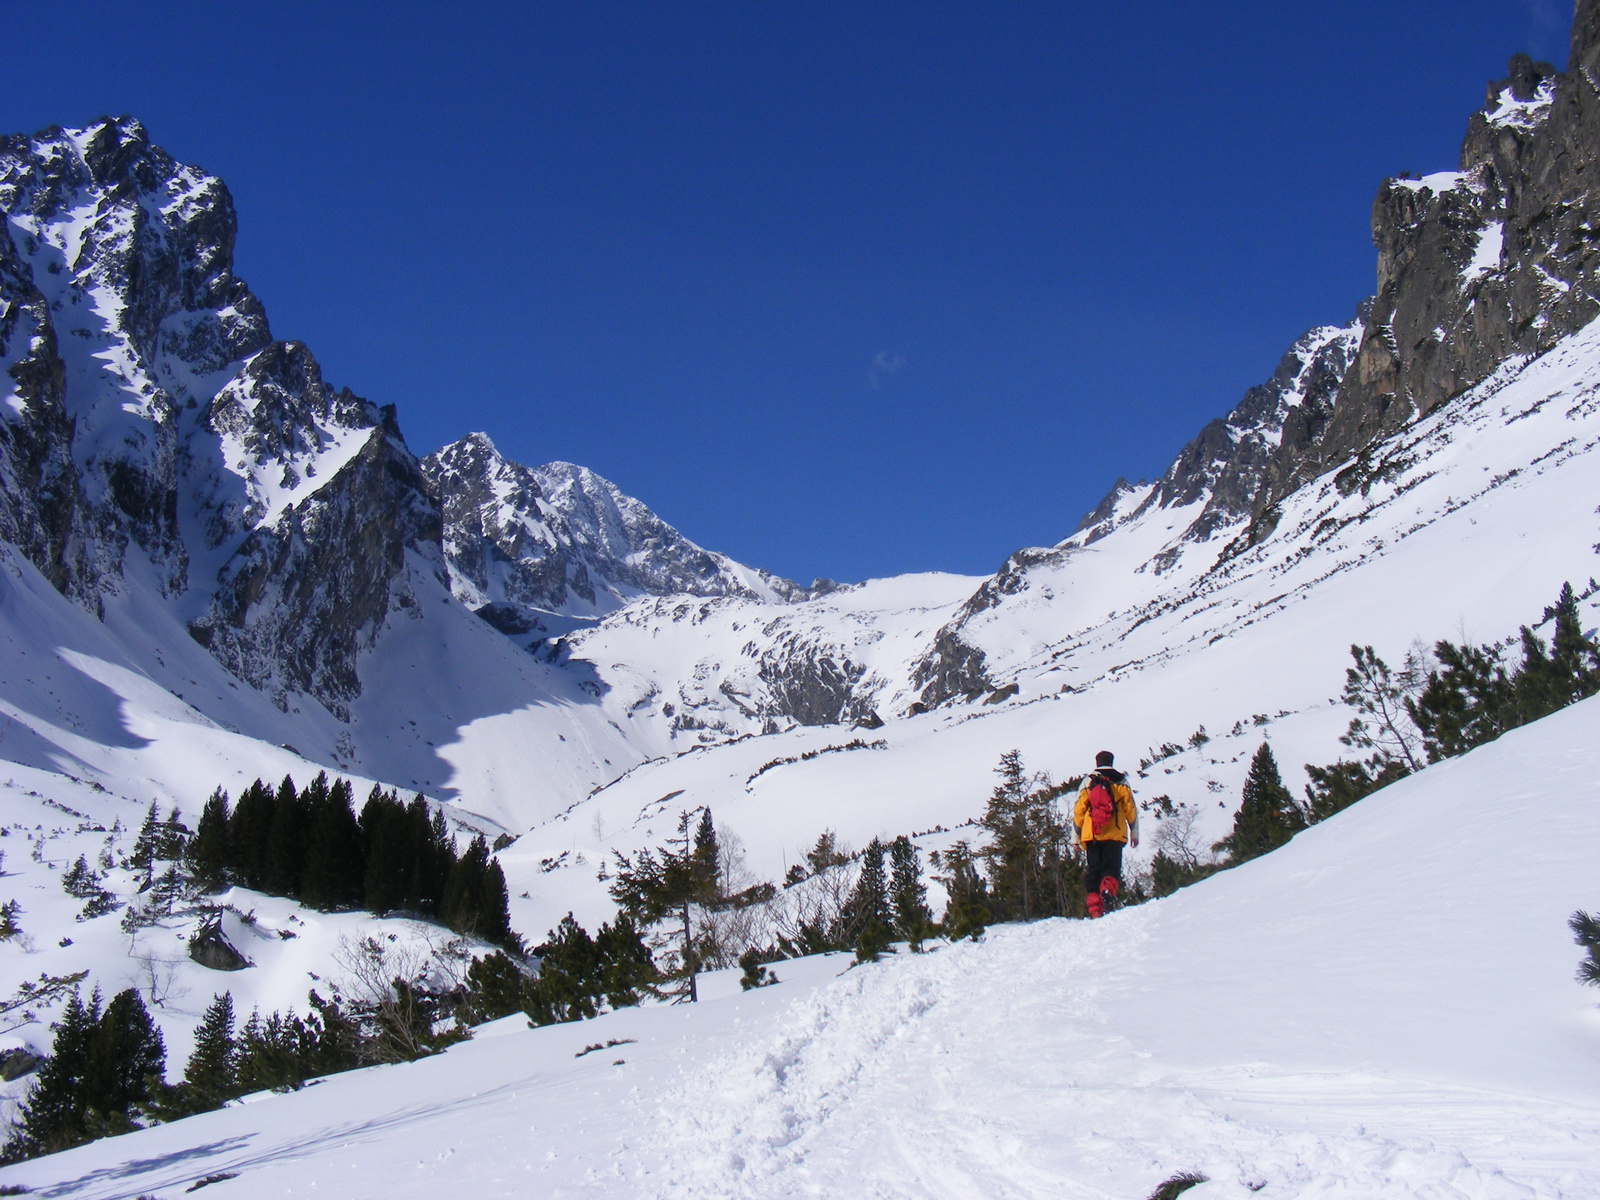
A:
x: 1106, y: 819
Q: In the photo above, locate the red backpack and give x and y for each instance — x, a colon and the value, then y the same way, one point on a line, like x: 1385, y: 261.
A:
x: 1102, y: 807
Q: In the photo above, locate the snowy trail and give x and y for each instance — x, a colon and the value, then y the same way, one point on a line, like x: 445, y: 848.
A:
x: 1359, y: 1014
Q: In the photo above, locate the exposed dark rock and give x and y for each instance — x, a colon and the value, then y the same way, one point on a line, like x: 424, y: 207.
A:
x: 1497, y: 262
x: 303, y: 596
x: 1001, y: 694
x: 102, y: 220
x: 808, y: 684
x: 14, y: 1064
x: 560, y: 539
x: 952, y: 669
x: 210, y: 948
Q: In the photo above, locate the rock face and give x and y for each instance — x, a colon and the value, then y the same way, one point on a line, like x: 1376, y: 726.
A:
x: 1235, y: 459
x: 323, y: 558
x: 527, y: 543
x: 121, y: 307
x: 1493, y: 262
x: 1477, y: 267
x: 149, y: 407
x: 210, y: 948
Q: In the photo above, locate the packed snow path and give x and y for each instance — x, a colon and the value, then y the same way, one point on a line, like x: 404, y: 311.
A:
x: 1386, y: 1007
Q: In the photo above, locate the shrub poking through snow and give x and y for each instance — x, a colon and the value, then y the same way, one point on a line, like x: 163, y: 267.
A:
x: 1174, y: 1187
x: 1586, y: 932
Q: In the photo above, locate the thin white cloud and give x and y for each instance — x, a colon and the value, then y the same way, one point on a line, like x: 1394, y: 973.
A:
x: 884, y: 363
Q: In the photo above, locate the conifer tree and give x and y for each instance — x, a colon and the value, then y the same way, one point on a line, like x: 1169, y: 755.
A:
x: 53, y: 1116
x: 1586, y: 932
x: 707, y: 854
x: 628, y: 972
x: 146, y: 846
x: 866, y: 922
x: 494, y: 906
x: 333, y: 870
x: 207, y: 858
x: 1379, y: 696
x: 1268, y: 816
x: 210, y: 1078
x: 173, y: 838
x: 385, y: 878
x: 462, y: 906
x: 968, y: 912
x: 652, y: 885
x: 286, y: 840
x: 1028, y: 848
x: 1568, y: 672
x: 126, y: 1058
x: 908, y: 895
x: 249, y: 827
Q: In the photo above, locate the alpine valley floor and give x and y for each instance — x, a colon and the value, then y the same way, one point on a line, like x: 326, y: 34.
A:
x: 1385, y: 1007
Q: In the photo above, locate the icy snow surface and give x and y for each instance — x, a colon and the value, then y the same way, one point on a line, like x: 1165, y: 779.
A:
x: 1385, y: 1008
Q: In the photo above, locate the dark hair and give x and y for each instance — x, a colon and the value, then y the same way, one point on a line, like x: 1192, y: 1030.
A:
x: 1104, y: 759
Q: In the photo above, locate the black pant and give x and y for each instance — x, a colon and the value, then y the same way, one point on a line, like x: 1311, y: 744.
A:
x: 1101, y: 859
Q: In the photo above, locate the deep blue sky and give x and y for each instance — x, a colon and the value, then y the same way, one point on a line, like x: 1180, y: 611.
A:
x: 838, y: 289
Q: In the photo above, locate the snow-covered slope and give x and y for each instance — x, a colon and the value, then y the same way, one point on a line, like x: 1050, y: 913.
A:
x: 1466, y: 523
x: 1369, y: 1012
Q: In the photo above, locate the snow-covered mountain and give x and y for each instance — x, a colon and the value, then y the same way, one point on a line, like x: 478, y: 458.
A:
x: 543, y: 550
x: 216, y: 566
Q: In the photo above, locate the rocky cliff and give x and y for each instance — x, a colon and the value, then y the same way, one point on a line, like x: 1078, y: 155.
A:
x: 149, y: 410
x: 527, y: 546
x: 1481, y: 267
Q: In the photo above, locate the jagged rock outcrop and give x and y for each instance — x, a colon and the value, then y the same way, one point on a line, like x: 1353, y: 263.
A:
x: 1235, y: 459
x: 149, y: 407
x: 1493, y: 262
x: 120, y: 303
x: 558, y: 539
x: 305, y: 594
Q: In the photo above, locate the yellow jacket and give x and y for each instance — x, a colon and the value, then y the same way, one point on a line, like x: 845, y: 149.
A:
x: 1124, y: 816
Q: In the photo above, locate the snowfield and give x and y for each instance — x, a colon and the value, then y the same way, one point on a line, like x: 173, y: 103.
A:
x: 1384, y: 1008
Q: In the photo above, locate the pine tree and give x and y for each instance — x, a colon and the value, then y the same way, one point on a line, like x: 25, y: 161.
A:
x: 496, y: 987
x: 126, y: 1058
x: 1268, y: 816
x: 333, y: 871
x: 567, y: 986
x: 207, y: 857
x: 707, y: 855
x: 1568, y: 672
x: 382, y: 826
x: 249, y: 827
x: 462, y: 906
x: 967, y: 913
x: 173, y: 839
x: 210, y: 1078
x: 866, y: 922
x: 494, y: 907
x: 441, y: 857
x: 909, y: 898
x: 1586, y: 932
x: 80, y: 880
x: 1028, y: 848
x: 286, y: 840
x: 653, y: 885
x: 628, y: 972
x: 1339, y: 785
x: 53, y: 1115
x: 146, y: 846
x: 1379, y: 697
